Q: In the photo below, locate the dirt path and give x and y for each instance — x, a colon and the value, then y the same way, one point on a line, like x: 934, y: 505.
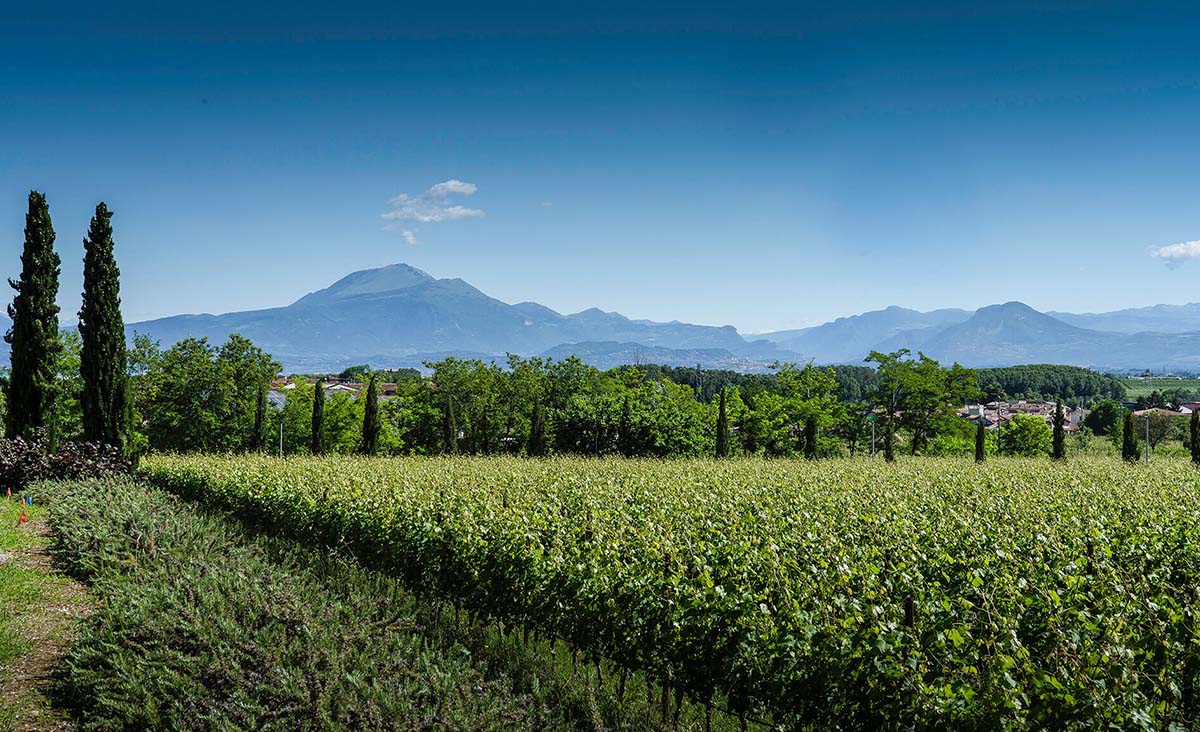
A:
x: 48, y: 625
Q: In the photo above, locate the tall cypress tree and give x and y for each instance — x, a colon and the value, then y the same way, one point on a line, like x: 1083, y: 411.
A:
x: 980, y: 441
x: 889, y: 439
x: 371, y: 425
x: 1129, y: 441
x: 258, y: 438
x: 34, y: 333
x: 722, y: 428
x: 102, y: 330
x: 318, y: 418
x: 537, y: 432
x: 1194, y: 443
x: 449, y: 428
x: 1059, y: 450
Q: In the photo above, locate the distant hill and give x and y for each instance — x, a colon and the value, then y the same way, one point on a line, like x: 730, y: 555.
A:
x: 998, y: 335
x: 1152, y: 319
x: 850, y: 339
x: 609, y: 354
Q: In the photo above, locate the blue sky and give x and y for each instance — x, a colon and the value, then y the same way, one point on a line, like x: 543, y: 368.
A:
x: 761, y: 166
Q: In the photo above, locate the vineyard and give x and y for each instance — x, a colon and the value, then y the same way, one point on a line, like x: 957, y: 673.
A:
x: 931, y: 593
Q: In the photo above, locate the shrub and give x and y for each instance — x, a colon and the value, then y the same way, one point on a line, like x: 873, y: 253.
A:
x: 24, y: 461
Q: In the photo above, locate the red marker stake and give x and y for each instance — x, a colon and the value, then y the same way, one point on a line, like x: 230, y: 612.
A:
x: 24, y: 519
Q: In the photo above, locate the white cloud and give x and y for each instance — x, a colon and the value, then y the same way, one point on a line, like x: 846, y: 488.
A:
x: 451, y: 186
x: 433, y: 205
x: 409, y: 236
x: 1175, y: 255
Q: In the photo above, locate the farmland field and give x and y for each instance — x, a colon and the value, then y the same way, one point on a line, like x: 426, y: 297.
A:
x: 1135, y: 388
x: 931, y: 593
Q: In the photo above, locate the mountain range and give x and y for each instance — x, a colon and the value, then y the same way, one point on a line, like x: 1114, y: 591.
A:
x: 401, y: 316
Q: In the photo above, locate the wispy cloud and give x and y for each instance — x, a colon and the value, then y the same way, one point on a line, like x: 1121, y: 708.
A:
x: 433, y: 205
x: 1175, y: 255
x: 409, y: 236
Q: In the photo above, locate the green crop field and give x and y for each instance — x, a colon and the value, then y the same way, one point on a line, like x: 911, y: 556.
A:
x: 929, y: 594
x: 1135, y: 388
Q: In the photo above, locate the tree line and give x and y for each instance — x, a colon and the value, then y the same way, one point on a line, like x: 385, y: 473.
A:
x: 86, y: 385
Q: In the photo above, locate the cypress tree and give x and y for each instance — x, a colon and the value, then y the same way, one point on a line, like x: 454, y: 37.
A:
x: 810, y: 438
x: 537, y: 432
x: 102, y: 331
x: 258, y: 438
x: 1194, y: 443
x: 1130, y: 450
x: 1059, y: 451
x: 318, y: 418
x: 371, y: 426
x: 722, y: 428
x: 449, y: 428
x: 889, y: 448
x: 34, y: 333
x: 980, y: 441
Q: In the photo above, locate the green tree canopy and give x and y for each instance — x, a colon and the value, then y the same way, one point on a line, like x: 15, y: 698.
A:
x: 1026, y: 435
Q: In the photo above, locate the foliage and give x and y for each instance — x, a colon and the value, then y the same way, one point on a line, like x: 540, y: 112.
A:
x: 1131, y: 450
x: 722, y: 446
x: 1058, y: 449
x: 195, y: 396
x: 258, y: 435
x: 371, y: 426
x: 1026, y: 435
x: 355, y: 373
x: 1103, y: 416
x: 856, y: 595
x: 200, y: 628
x: 65, y: 418
x: 1163, y: 426
x: 1194, y: 436
x: 24, y: 461
x: 316, y: 443
x: 104, y: 399
x: 34, y: 332
x: 1070, y: 384
x: 917, y: 393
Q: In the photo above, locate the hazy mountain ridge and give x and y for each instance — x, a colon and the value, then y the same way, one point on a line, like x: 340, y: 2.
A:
x: 400, y: 316
x: 1151, y: 319
x: 997, y: 335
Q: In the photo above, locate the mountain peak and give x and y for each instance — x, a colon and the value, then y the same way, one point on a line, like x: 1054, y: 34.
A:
x: 1012, y: 309
x: 389, y: 278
